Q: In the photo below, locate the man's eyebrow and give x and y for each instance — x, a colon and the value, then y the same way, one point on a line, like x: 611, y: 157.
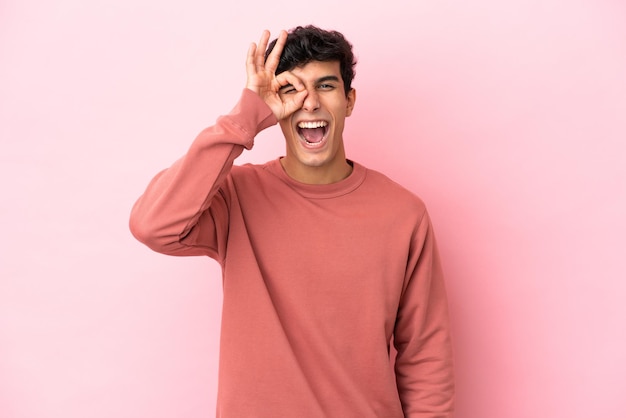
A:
x: 327, y: 78
x: 318, y: 81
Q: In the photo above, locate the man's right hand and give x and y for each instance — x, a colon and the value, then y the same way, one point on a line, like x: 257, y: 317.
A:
x: 263, y: 80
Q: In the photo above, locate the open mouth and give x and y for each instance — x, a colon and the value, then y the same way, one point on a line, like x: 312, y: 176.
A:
x: 314, y: 132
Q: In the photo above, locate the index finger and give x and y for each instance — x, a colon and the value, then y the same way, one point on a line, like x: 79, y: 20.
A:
x: 274, y: 57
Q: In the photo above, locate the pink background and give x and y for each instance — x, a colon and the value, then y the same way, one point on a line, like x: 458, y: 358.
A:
x: 506, y: 117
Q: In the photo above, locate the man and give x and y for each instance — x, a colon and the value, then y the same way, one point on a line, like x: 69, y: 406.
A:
x: 325, y: 262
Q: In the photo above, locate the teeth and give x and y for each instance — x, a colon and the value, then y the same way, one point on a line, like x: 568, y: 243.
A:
x: 311, y: 125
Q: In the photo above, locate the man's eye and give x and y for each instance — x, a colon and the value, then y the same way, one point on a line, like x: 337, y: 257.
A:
x: 326, y: 87
x: 289, y: 90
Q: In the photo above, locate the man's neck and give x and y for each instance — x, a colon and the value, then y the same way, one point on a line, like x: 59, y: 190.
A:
x: 317, y: 175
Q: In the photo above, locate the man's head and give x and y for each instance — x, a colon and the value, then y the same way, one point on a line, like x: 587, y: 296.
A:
x: 310, y: 43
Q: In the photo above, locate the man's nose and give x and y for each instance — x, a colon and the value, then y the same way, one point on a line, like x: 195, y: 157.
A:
x: 311, y: 102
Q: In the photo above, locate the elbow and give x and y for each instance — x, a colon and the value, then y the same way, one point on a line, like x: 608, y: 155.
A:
x: 155, y: 235
x: 145, y: 231
x: 142, y: 231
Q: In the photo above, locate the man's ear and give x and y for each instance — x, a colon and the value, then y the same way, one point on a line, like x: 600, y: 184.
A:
x: 351, y: 99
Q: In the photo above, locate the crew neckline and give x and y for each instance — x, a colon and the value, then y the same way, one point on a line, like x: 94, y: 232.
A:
x: 321, y: 191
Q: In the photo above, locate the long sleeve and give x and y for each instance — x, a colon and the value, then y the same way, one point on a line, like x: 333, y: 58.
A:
x: 183, y: 210
x: 424, y: 370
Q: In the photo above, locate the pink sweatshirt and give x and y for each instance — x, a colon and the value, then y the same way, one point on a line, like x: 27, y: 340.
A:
x: 317, y: 280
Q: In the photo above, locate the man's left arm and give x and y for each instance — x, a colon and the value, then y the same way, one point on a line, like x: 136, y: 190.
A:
x: 424, y: 369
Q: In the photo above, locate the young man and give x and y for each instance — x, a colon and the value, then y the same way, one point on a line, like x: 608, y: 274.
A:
x: 325, y: 262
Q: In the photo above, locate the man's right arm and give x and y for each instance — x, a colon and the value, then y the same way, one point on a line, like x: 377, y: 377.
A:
x: 182, y: 211
x: 167, y: 217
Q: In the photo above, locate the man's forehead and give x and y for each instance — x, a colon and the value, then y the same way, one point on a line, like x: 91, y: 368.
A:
x: 314, y: 70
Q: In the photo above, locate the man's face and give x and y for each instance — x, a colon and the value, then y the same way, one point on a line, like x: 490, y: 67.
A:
x: 314, y: 133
